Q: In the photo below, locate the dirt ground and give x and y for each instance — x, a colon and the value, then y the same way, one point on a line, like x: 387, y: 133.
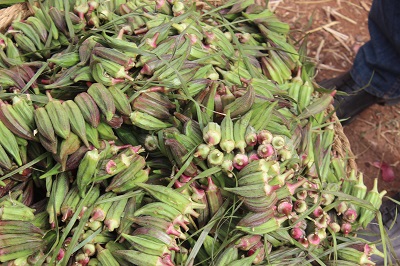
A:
x: 336, y: 29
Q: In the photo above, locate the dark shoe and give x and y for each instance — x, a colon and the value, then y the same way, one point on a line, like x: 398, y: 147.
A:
x: 356, y: 100
x: 390, y: 210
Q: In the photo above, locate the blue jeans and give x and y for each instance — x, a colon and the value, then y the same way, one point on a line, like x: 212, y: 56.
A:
x: 377, y: 64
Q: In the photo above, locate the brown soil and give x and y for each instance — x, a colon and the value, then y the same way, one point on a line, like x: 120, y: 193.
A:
x: 337, y: 28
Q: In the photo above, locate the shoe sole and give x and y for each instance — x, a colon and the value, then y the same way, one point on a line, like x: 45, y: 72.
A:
x: 389, y: 102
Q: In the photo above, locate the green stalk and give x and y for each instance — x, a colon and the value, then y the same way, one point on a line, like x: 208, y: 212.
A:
x: 6, y: 3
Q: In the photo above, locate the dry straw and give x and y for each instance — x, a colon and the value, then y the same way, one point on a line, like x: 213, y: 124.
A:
x: 7, y: 15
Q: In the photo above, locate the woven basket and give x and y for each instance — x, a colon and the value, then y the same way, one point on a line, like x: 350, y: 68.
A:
x: 341, y: 144
x: 7, y: 15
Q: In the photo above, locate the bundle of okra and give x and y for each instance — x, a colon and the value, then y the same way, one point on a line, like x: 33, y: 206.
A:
x: 138, y: 132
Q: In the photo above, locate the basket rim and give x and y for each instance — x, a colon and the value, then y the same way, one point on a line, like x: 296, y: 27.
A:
x: 341, y: 144
x: 9, y: 14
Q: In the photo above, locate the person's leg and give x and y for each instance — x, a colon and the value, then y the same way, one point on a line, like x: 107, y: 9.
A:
x: 375, y: 75
x: 377, y: 64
